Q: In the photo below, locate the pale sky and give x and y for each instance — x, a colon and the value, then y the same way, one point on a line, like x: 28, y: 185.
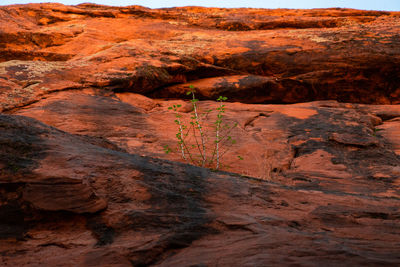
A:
x: 391, y: 5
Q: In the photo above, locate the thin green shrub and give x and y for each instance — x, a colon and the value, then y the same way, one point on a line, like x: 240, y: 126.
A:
x: 198, y: 142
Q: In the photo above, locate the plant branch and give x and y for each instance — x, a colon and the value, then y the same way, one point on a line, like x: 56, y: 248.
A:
x: 194, y: 100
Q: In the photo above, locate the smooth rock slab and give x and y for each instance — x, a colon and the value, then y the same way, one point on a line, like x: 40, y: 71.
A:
x: 162, y: 213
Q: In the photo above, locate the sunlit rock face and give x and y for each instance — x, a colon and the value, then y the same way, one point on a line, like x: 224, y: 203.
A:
x: 249, y: 55
x: 84, y: 97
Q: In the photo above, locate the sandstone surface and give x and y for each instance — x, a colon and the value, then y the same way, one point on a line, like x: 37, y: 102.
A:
x: 275, y: 56
x: 170, y: 214
x: 84, y: 119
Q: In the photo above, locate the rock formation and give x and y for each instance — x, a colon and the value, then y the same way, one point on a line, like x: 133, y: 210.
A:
x: 84, y: 97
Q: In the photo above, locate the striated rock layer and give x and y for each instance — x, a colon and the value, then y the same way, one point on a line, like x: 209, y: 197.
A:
x: 249, y: 55
x: 142, y: 211
x: 84, y: 97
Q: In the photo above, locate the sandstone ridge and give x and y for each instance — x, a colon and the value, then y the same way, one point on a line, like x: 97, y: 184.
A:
x: 274, y: 56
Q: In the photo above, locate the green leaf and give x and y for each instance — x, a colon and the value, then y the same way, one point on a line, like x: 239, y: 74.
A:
x: 188, y: 93
x: 170, y: 108
x: 167, y: 149
x: 191, y: 86
x: 240, y: 158
x: 178, y: 106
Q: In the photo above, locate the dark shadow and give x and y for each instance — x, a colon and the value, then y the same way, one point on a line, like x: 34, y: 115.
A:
x: 177, y: 207
x: 21, y: 148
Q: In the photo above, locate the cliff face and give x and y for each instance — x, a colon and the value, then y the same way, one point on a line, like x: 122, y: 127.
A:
x: 250, y: 55
x: 84, y: 96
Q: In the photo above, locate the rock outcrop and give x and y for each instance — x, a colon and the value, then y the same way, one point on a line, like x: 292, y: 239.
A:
x: 84, y: 97
x: 170, y: 214
x: 276, y: 56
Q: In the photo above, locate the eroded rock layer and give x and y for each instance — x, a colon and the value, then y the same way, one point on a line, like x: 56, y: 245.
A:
x: 84, y: 125
x: 249, y: 55
x: 144, y: 211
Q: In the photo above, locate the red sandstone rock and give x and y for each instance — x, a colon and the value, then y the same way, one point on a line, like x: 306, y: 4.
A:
x: 84, y: 180
x: 300, y: 55
x: 272, y: 139
x: 169, y: 214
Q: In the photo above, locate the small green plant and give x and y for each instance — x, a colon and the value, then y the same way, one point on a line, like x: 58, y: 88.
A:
x: 375, y: 131
x: 198, y: 144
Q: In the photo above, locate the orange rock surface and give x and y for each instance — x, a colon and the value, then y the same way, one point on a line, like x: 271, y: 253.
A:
x: 275, y: 56
x: 84, y: 97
